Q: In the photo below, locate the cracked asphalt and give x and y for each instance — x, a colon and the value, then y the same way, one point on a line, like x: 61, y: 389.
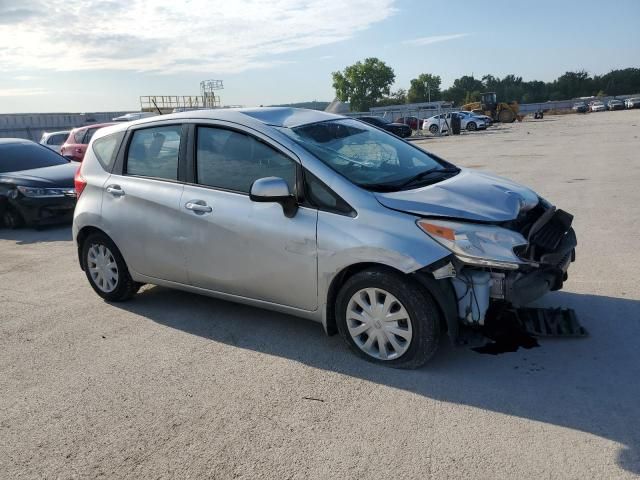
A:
x: 174, y: 385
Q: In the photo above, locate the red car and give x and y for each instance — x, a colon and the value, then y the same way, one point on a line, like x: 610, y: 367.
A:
x: 78, y: 139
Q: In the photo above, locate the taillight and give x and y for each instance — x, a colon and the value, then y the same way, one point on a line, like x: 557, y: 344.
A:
x: 79, y: 182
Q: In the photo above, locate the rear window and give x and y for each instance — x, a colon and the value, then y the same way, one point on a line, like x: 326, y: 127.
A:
x: 15, y: 157
x: 106, y: 149
x: 78, y: 135
x: 57, y: 139
x: 154, y: 152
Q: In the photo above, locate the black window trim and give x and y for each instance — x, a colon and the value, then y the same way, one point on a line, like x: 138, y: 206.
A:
x: 191, y: 176
x: 307, y: 202
x: 120, y: 165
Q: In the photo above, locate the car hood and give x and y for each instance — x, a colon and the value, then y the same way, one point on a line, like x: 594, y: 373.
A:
x: 55, y: 176
x: 469, y: 195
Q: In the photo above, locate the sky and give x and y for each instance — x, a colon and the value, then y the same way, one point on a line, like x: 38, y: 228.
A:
x: 89, y: 56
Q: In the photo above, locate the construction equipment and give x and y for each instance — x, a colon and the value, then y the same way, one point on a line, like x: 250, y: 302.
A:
x: 499, y: 112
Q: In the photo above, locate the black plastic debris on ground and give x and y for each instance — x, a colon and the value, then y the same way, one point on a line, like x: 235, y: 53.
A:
x: 551, y: 322
x: 505, y: 332
x: 510, y: 329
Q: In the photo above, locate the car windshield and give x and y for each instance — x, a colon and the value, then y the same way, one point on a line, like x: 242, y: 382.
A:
x: 26, y: 156
x: 368, y: 157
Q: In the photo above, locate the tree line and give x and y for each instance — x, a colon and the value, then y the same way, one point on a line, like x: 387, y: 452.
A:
x: 368, y: 84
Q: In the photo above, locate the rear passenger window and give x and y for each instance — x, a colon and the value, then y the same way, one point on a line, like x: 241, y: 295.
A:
x: 106, y: 149
x: 89, y: 135
x: 78, y: 135
x: 57, y: 139
x: 233, y: 161
x: 153, y: 152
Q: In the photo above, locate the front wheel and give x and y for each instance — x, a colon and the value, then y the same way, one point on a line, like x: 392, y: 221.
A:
x: 11, y: 218
x: 433, y: 129
x: 386, y: 318
x: 106, y: 270
x: 471, y: 126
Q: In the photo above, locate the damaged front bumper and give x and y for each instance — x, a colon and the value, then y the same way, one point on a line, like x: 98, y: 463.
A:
x: 550, y: 249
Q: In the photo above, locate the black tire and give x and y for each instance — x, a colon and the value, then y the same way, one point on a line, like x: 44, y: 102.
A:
x: 423, y: 313
x: 471, y: 126
x: 125, y: 286
x: 11, y: 218
x: 433, y: 129
x: 506, y: 116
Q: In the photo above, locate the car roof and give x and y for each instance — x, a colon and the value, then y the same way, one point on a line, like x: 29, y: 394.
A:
x: 15, y: 141
x: 273, y: 116
x: 57, y: 132
x: 94, y: 125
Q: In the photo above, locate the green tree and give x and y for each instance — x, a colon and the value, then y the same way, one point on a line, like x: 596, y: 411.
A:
x: 395, y: 98
x: 363, y: 84
x: 463, y: 88
x: 424, y: 87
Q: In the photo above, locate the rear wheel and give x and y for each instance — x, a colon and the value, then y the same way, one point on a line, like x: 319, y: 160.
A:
x: 433, y: 129
x: 386, y: 318
x: 106, y: 270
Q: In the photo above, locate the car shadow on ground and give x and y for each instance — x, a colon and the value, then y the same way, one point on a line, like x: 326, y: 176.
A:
x: 27, y: 236
x: 588, y: 384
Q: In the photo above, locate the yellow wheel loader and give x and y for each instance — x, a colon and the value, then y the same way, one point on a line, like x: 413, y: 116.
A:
x: 499, y: 112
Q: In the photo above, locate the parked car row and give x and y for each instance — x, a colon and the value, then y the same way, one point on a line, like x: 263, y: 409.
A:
x: 599, y: 106
x: 73, y: 143
x: 404, y: 126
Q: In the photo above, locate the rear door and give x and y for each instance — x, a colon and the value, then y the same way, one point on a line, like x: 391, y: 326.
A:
x: 141, y: 202
x: 237, y: 246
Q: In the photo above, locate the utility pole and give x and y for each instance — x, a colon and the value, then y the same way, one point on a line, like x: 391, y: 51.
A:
x: 426, y: 85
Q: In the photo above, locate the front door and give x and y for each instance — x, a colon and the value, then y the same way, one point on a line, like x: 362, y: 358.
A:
x: 240, y: 247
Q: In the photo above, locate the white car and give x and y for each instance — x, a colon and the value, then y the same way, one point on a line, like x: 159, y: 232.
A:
x: 487, y: 119
x: 442, y: 122
x: 597, y: 106
x: 130, y: 117
x: 632, y: 102
x: 54, y: 140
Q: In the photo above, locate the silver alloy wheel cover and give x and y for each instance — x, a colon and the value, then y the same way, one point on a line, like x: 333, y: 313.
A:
x: 379, y: 324
x: 102, y: 267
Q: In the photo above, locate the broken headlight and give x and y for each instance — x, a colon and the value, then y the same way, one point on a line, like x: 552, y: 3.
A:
x: 475, y: 244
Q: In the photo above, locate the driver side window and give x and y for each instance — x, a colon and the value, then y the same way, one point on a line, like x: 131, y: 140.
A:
x: 232, y: 160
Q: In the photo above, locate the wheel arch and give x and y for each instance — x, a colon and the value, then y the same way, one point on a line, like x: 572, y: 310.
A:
x: 83, y: 233
x: 440, y: 290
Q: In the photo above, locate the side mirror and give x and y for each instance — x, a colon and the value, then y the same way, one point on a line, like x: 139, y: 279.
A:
x: 274, y: 189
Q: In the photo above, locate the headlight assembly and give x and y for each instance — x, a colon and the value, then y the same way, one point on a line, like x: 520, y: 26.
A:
x: 37, y: 192
x: 474, y: 244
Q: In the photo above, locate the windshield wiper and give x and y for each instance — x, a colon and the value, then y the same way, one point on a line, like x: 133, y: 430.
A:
x: 426, y: 173
x: 393, y: 187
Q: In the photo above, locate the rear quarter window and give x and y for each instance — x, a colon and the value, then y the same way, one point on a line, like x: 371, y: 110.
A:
x: 106, y: 149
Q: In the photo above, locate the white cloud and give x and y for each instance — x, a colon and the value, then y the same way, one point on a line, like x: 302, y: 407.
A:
x: 435, y: 39
x: 22, y: 92
x: 166, y: 36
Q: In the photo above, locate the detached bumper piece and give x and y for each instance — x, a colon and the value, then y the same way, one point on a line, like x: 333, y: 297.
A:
x: 550, y: 322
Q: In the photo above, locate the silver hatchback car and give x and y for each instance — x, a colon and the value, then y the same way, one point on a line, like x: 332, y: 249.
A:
x: 316, y: 215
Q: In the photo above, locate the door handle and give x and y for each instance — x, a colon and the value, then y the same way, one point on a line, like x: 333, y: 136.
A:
x: 198, y: 206
x: 115, y: 190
